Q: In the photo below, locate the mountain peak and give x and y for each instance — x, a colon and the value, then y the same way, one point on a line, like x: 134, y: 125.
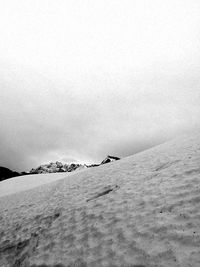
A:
x: 109, y: 159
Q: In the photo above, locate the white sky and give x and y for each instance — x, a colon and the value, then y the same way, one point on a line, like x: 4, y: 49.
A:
x: 83, y: 79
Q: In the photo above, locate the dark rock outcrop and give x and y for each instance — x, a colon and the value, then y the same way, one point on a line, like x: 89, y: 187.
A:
x: 109, y: 159
x: 92, y: 165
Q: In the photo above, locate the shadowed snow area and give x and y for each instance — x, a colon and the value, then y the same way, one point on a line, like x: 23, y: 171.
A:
x: 143, y: 210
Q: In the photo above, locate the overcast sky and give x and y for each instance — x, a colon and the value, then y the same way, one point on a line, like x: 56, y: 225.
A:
x: 83, y: 79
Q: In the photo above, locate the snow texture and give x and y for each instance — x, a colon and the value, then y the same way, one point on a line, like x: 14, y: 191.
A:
x: 143, y: 210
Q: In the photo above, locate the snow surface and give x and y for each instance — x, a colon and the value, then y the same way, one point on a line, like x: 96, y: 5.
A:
x: 143, y: 210
x: 25, y: 182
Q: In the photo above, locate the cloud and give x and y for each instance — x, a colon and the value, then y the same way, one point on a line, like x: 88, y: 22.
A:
x: 80, y: 80
x: 41, y: 122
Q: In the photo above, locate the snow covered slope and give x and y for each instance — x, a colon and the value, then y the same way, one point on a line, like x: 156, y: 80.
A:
x: 26, y: 182
x: 143, y: 210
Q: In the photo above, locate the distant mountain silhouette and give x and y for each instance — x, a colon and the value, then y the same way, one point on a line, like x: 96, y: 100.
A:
x: 51, y: 167
x: 6, y: 173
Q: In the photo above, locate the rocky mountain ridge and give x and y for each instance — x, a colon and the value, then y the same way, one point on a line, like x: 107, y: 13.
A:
x: 60, y: 167
x: 57, y: 167
x: 53, y: 167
